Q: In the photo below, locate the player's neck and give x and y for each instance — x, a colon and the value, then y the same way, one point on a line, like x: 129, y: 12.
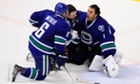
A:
x: 89, y: 22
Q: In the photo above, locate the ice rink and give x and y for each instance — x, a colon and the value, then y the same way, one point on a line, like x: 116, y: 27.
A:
x: 123, y: 15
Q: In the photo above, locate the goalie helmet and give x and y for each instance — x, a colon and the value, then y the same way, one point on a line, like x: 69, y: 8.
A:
x: 61, y: 8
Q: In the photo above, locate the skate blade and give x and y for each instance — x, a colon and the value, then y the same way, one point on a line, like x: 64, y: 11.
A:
x: 29, y: 57
x: 10, y: 70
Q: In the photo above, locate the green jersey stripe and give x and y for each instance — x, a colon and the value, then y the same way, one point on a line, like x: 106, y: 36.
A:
x: 59, y: 40
x: 33, y: 73
x: 107, y: 46
x: 40, y: 46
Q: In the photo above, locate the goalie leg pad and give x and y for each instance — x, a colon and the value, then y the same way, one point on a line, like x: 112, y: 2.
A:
x: 96, y: 64
x: 112, y: 68
x: 118, y: 57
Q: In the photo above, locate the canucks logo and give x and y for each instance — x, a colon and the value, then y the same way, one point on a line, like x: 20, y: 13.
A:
x: 86, y: 38
x: 101, y: 28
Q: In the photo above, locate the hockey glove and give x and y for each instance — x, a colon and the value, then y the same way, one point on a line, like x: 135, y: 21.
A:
x: 61, y: 60
x: 74, y: 34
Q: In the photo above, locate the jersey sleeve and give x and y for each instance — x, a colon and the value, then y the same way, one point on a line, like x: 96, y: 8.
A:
x: 37, y: 17
x: 79, y: 18
x: 61, y: 36
x: 107, y: 40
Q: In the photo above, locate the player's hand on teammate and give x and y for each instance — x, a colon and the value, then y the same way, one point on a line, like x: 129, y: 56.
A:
x: 74, y: 34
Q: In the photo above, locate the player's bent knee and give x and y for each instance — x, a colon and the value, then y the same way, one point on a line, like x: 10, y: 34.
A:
x: 78, y: 62
x: 40, y: 77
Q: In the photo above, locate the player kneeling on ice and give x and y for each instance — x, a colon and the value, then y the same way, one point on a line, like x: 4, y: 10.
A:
x: 97, y: 43
x: 48, y: 43
x: 72, y: 19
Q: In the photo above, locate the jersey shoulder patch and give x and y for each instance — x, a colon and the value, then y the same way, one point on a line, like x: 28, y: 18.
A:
x: 101, y: 28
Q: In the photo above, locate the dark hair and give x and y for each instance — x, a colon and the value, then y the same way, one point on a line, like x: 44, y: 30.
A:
x: 71, y: 8
x: 97, y: 9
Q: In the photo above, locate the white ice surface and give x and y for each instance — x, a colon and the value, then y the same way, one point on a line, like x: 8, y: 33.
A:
x: 15, y: 29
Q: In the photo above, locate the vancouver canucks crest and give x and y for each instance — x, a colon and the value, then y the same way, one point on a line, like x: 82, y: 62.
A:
x: 101, y: 28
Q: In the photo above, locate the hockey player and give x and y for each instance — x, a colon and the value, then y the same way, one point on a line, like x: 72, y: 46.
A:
x: 97, y: 43
x: 72, y: 19
x: 47, y: 43
x: 74, y: 15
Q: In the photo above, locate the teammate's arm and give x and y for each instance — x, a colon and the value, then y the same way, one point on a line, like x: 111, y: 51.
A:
x: 60, y: 40
x: 37, y: 17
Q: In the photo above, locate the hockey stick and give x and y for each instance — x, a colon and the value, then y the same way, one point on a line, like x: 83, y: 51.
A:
x: 70, y: 77
x: 87, y: 82
x: 78, y: 79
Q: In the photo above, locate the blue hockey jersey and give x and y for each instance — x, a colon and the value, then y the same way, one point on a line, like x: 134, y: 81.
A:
x: 98, y: 32
x: 52, y: 33
x: 74, y: 23
x: 37, y: 17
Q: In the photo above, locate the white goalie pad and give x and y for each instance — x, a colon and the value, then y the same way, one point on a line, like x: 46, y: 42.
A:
x: 96, y: 64
x: 118, y: 57
x: 112, y: 68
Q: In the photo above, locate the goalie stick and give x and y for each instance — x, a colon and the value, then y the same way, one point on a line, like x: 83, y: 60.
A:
x: 85, y: 81
x: 78, y: 79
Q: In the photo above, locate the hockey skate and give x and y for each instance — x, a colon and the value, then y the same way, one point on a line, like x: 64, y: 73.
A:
x: 29, y: 57
x: 53, y: 69
x: 53, y: 66
x: 17, y: 69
